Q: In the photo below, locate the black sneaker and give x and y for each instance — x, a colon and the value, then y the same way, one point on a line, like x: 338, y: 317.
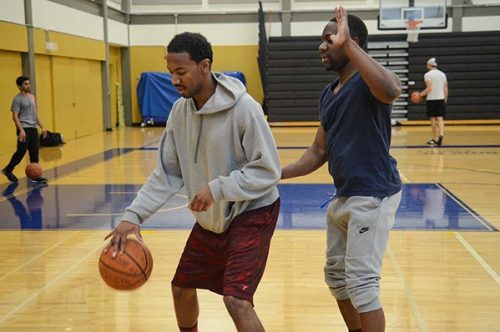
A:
x: 440, y: 141
x: 432, y: 142
x: 39, y: 180
x: 10, y: 176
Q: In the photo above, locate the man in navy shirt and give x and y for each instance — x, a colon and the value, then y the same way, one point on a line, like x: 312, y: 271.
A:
x: 354, y: 137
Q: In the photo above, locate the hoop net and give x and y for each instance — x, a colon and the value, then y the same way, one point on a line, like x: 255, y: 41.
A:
x: 412, y: 29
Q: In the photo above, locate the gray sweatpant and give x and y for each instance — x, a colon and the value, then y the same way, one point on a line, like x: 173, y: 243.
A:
x: 357, y: 235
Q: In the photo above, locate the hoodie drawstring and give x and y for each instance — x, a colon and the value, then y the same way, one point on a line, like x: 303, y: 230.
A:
x: 198, y: 140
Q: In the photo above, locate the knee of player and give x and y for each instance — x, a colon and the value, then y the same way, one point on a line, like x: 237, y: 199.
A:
x: 364, y: 297
x: 339, y: 293
x: 366, y: 304
x: 235, y: 305
x: 180, y: 293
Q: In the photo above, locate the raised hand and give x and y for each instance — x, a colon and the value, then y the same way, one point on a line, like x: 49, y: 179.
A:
x: 343, y: 36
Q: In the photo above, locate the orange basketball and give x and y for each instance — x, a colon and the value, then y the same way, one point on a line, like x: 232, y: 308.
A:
x: 416, y: 98
x: 33, y: 171
x: 129, y: 270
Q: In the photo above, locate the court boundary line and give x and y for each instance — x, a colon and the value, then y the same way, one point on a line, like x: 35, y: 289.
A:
x: 453, y: 168
x: 473, y: 213
x: 478, y: 257
x: 63, y: 274
x: 120, y: 213
x: 404, y: 178
x: 407, y: 291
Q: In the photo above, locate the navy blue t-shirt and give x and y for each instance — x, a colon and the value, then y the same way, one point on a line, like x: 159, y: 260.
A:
x: 358, y: 129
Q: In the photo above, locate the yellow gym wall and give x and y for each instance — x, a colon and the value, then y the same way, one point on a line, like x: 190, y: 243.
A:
x: 69, y: 45
x: 77, y: 96
x: 226, y: 58
x: 142, y: 59
x: 13, y: 37
x: 71, y: 77
x: 44, y: 93
x: 68, y: 81
x: 10, y: 67
x: 244, y: 59
x: 13, y: 40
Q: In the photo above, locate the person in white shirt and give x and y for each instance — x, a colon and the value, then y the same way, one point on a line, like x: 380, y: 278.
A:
x: 437, y: 97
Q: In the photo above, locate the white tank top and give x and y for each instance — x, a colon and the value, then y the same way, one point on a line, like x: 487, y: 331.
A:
x: 438, y: 79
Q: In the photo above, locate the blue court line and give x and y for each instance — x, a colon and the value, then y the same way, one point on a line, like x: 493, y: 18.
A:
x: 145, y: 146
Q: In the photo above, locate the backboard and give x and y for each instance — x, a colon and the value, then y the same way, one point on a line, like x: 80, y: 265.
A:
x: 393, y: 14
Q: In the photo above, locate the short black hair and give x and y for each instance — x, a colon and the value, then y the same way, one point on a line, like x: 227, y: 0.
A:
x: 357, y: 28
x: 21, y: 79
x: 195, y: 44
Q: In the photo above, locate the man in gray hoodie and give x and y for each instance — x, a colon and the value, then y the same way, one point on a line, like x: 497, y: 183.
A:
x: 218, y: 146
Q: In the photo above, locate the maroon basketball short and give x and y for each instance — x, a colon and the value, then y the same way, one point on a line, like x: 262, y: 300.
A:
x: 231, y: 263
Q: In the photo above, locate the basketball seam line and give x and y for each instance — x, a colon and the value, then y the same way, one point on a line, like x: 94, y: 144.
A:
x: 120, y: 271
x: 136, y: 263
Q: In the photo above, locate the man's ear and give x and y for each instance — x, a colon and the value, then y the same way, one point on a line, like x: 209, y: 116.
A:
x: 356, y: 39
x: 205, y: 65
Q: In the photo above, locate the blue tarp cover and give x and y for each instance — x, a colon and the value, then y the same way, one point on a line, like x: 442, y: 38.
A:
x: 156, y: 95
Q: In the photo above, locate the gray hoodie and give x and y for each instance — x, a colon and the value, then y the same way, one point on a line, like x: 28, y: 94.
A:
x: 227, y: 144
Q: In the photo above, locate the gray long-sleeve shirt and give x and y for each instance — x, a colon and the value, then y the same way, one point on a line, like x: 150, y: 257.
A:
x: 227, y: 145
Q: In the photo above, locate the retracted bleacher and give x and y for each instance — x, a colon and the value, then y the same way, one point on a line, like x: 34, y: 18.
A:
x: 471, y: 60
x: 296, y: 77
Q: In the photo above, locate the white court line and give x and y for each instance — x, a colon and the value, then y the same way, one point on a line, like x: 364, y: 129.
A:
x: 135, y: 192
x: 411, y: 301
x: 47, y: 286
x: 478, y: 258
x: 17, y: 193
x: 404, y: 178
x: 122, y: 192
x: 34, y: 258
x: 463, y: 206
x: 120, y: 213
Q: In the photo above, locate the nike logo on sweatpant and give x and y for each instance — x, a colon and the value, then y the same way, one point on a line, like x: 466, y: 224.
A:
x: 364, y: 229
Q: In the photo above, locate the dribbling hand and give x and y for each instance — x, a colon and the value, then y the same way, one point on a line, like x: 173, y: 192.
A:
x: 119, y: 236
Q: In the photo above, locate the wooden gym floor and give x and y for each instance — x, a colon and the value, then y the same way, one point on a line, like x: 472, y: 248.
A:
x: 441, y: 269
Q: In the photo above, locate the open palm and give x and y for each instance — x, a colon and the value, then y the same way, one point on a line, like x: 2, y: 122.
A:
x: 343, y: 34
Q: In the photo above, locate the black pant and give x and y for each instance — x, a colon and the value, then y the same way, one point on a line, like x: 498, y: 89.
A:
x: 31, y: 144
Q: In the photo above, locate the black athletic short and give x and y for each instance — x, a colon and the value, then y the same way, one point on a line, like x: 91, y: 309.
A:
x: 436, y: 108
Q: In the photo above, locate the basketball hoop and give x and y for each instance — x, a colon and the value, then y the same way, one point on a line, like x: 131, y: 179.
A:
x: 412, y: 29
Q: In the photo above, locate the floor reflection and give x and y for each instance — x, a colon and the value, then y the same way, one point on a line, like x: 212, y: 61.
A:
x: 30, y: 214
x: 423, y: 207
